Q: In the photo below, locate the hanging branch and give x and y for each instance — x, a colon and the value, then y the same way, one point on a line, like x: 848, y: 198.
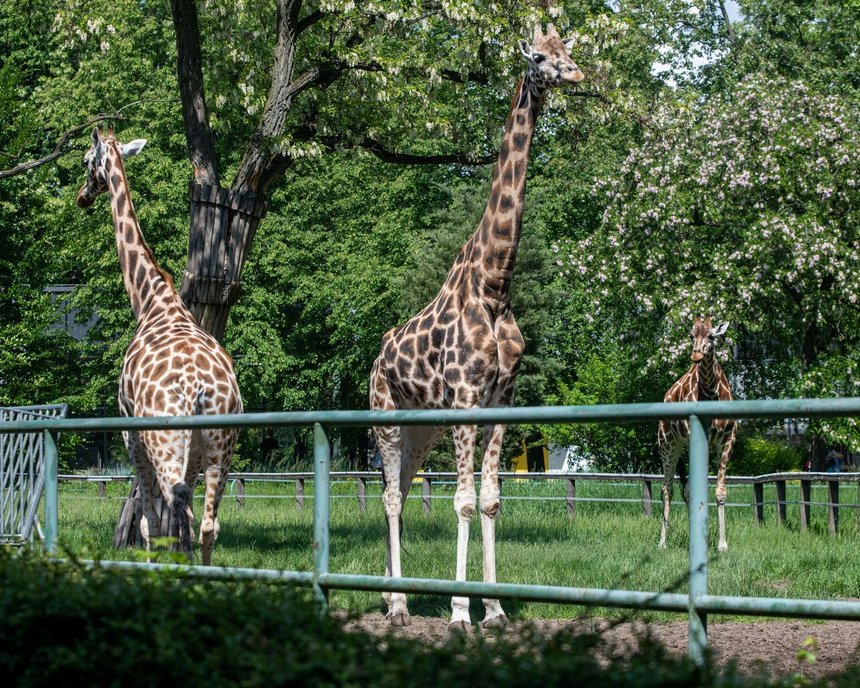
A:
x: 58, y: 149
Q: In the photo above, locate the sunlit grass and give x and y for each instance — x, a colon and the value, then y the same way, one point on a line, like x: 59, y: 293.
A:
x: 607, y: 545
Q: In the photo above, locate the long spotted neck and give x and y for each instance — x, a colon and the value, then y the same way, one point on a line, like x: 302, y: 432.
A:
x: 150, y: 289
x: 492, y: 250
x: 709, y: 377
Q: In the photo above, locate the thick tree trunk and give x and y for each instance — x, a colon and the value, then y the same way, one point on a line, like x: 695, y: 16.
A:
x: 223, y: 224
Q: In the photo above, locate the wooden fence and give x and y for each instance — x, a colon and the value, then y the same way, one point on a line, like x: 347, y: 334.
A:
x: 647, y: 499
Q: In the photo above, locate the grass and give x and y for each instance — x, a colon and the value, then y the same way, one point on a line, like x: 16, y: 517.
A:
x: 607, y: 545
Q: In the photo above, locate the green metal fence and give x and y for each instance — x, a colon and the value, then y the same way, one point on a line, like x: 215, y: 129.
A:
x: 697, y: 603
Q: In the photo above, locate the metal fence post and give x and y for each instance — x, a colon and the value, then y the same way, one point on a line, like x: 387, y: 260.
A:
x: 697, y: 639
x: 322, y: 460
x: 300, y: 493
x: 51, y: 487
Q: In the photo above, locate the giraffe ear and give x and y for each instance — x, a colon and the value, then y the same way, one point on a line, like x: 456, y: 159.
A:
x: 96, y: 137
x: 525, y: 48
x: 569, y: 43
x: 133, y: 147
x: 721, y: 330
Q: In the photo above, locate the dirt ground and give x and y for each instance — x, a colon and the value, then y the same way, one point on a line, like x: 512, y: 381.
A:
x: 771, y: 644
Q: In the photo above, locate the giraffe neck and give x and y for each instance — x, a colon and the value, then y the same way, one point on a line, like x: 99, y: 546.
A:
x: 709, y: 375
x: 150, y: 289
x: 490, y: 254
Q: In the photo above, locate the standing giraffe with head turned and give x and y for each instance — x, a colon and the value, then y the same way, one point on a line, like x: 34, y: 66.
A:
x: 464, y: 349
x: 171, y: 368
x: 704, y: 381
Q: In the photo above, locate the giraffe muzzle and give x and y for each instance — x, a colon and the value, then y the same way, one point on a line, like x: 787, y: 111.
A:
x: 85, y: 199
x: 697, y: 356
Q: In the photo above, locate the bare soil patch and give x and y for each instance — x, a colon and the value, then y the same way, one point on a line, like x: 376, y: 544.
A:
x: 753, y: 646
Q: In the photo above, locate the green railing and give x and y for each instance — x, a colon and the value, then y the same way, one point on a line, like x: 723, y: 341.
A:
x: 697, y: 603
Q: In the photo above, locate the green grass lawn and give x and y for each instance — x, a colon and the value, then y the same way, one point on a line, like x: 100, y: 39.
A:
x: 607, y: 545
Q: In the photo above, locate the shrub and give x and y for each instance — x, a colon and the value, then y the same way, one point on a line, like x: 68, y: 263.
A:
x: 757, y: 455
x: 61, y: 624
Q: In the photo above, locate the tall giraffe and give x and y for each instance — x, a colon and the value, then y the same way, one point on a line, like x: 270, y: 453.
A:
x: 704, y: 381
x: 171, y: 368
x: 464, y: 349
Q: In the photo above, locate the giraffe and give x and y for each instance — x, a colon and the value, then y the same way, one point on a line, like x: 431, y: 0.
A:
x: 171, y: 368
x: 463, y: 350
x: 704, y: 381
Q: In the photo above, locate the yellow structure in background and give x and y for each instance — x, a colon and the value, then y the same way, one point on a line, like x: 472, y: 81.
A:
x: 521, y: 462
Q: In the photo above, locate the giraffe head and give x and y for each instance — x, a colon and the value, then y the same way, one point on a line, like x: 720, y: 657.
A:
x: 95, y: 161
x: 704, y: 337
x: 550, y: 64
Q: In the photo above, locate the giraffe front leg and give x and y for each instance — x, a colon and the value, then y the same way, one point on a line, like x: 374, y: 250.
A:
x: 490, y: 506
x: 727, y: 444
x: 464, y: 506
x: 669, y: 454
x: 388, y: 443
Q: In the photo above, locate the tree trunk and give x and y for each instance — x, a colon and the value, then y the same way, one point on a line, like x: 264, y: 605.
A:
x: 223, y: 224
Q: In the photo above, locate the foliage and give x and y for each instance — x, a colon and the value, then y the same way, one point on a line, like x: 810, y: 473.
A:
x: 759, y: 455
x: 61, y: 623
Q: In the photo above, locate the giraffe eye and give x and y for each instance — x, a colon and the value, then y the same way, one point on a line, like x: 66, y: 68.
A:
x: 537, y: 58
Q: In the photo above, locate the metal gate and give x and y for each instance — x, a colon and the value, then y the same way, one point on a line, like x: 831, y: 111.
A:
x: 22, y: 473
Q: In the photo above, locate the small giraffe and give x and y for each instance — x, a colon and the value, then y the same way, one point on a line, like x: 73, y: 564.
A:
x: 464, y: 349
x: 704, y: 381
x: 171, y: 368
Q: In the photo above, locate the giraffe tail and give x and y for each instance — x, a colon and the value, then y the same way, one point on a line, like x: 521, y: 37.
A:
x: 180, y: 522
x: 183, y: 495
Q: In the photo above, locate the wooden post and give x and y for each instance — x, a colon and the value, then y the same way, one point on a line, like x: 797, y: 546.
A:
x: 758, y: 503
x: 805, y: 493
x: 780, y: 502
x: 300, y: 493
x: 426, y: 490
x: 571, y: 498
x: 240, y: 492
x: 102, y: 488
x: 646, y: 498
x: 833, y: 507
x: 362, y: 494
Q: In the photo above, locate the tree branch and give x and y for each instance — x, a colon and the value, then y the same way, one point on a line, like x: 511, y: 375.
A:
x: 398, y: 158
x: 253, y: 176
x: 58, y: 148
x: 189, y: 71
x: 729, y: 28
x: 309, y: 21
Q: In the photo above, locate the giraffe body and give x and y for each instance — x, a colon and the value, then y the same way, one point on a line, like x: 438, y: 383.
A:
x: 463, y: 349
x: 172, y: 368
x: 704, y: 381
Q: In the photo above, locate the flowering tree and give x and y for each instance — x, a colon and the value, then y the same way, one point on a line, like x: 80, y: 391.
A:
x: 745, y: 206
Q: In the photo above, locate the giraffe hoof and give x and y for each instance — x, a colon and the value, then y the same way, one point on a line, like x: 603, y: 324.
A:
x: 495, y: 622
x: 459, y: 627
x: 400, y: 619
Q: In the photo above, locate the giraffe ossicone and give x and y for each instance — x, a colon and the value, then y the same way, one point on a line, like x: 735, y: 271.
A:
x: 704, y: 381
x: 172, y: 367
x: 463, y: 350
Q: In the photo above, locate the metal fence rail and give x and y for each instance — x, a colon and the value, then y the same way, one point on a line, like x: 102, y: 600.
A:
x: 697, y: 603
x: 778, y: 503
x: 22, y: 473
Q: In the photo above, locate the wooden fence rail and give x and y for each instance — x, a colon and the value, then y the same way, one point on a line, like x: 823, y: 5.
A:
x: 647, y: 480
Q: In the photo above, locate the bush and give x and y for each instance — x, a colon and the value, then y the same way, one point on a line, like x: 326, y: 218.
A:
x: 61, y: 624
x: 757, y: 455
